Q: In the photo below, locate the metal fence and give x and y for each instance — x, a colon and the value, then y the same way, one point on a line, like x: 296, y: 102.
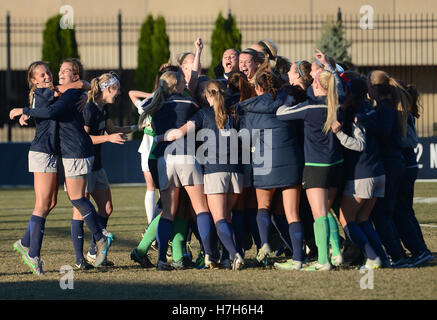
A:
x: 403, y: 45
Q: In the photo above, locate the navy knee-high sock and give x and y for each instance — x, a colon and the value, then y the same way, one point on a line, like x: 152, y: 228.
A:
x: 36, y: 235
x: 225, y: 234
x: 206, y: 230
x: 281, y: 224
x: 356, y: 234
x: 25, y: 241
x: 296, y: 232
x: 163, y: 233
x: 252, y: 214
x: 373, y: 238
x: 102, y: 222
x: 77, y: 237
x: 264, y: 222
x: 238, y: 227
x: 89, y: 214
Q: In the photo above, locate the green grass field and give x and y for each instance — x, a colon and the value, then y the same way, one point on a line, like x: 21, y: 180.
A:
x: 128, y: 281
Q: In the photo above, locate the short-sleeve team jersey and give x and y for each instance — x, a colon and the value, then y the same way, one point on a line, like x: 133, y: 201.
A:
x: 220, y: 149
x: 95, y: 118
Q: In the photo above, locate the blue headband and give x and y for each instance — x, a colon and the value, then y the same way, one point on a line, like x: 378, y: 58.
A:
x: 298, y: 68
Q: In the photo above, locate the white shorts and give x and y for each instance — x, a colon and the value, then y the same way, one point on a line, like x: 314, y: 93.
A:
x: 144, y: 150
x: 179, y: 171
x: 43, y: 162
x: 223, y: 182
x: 97, y: 180
x: 366, y: 188
x: 77, y: 167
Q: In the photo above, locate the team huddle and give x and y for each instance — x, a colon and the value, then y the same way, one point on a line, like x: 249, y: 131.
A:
x: 270, y: 153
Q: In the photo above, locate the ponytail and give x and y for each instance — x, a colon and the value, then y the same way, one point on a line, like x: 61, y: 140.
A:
x: 166, y: 86
x: 381, y: 85
x: 402, y: 101
x: 327, y: 81
x: 94, y: 91
x: 268, y: 82
x: 218, y: 94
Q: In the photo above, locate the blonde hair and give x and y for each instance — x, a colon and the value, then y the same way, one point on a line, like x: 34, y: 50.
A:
x: 217, y: 92
x: 166, y: 86
x: 327, y: 81
x: 382, y: 84
x: 30, y: 71
x: 95, y: 91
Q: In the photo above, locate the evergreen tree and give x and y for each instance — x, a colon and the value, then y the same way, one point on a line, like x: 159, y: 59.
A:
x: 333, y: 42
x: 144, y: 77
x: 58, y: 44
x: 160, y: 45
x: 224, y: 36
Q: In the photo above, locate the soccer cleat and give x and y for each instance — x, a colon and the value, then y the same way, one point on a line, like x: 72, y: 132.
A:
x: 144, y: 261
x: 401, y: 263
x: 238, y: 262
x: 290, y: 264
x: 154, y: 246
x: 91, y: 258
x: 263, y: 254
x: 199, y: 263
x: 316, y: 266
x: 337, y: 260
x: 164, y: 266
x: 372, y: 264
x: 102, y: 247
x: 83, y: 265
x: 18, y: 246
x: 182, y: 264
x: 35, y: 264
x: 210, y: 262
x: 420, y: 259
x: 225, y: 264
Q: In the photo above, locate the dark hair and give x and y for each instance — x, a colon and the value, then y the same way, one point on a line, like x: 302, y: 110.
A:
x: 356, y: 97
x: 237, y: 82
x: 304, y: 69
x: 415, y: 105
x: 268, y: 82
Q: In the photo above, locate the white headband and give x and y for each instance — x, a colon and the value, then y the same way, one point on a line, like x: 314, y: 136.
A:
x: 108, y: 83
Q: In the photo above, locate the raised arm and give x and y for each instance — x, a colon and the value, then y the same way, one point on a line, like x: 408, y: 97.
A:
x: 323, y: 58
x: 136, y: 98
x: 196, y: 70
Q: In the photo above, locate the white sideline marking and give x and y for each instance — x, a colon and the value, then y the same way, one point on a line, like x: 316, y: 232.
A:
x: 424, y: 200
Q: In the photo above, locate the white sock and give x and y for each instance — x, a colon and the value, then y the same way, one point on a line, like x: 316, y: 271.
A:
x: 149, y: 202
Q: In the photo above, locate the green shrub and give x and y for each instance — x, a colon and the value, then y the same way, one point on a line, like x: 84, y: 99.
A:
x: 224, y: 36
x: 58, y: 44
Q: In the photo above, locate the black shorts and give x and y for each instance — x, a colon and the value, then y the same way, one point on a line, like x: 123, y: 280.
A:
x: 323, y: 177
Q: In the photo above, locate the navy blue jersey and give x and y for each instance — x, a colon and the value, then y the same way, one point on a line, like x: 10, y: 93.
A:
x: 95, y: 118
x: 174, y: 113
x: 320, y: 149
x: 408, y: 153
x: 73, y: 140
x: 382, y: 122
x: 274, y: 143
x: 46, y: 137
x: 365, y: 164
x: 221, y: 147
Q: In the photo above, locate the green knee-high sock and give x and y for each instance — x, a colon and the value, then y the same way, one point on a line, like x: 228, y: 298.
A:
x: 179, y: 231
x: 334, y: 238
x: 321, y: 234
x: 149, y: 237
